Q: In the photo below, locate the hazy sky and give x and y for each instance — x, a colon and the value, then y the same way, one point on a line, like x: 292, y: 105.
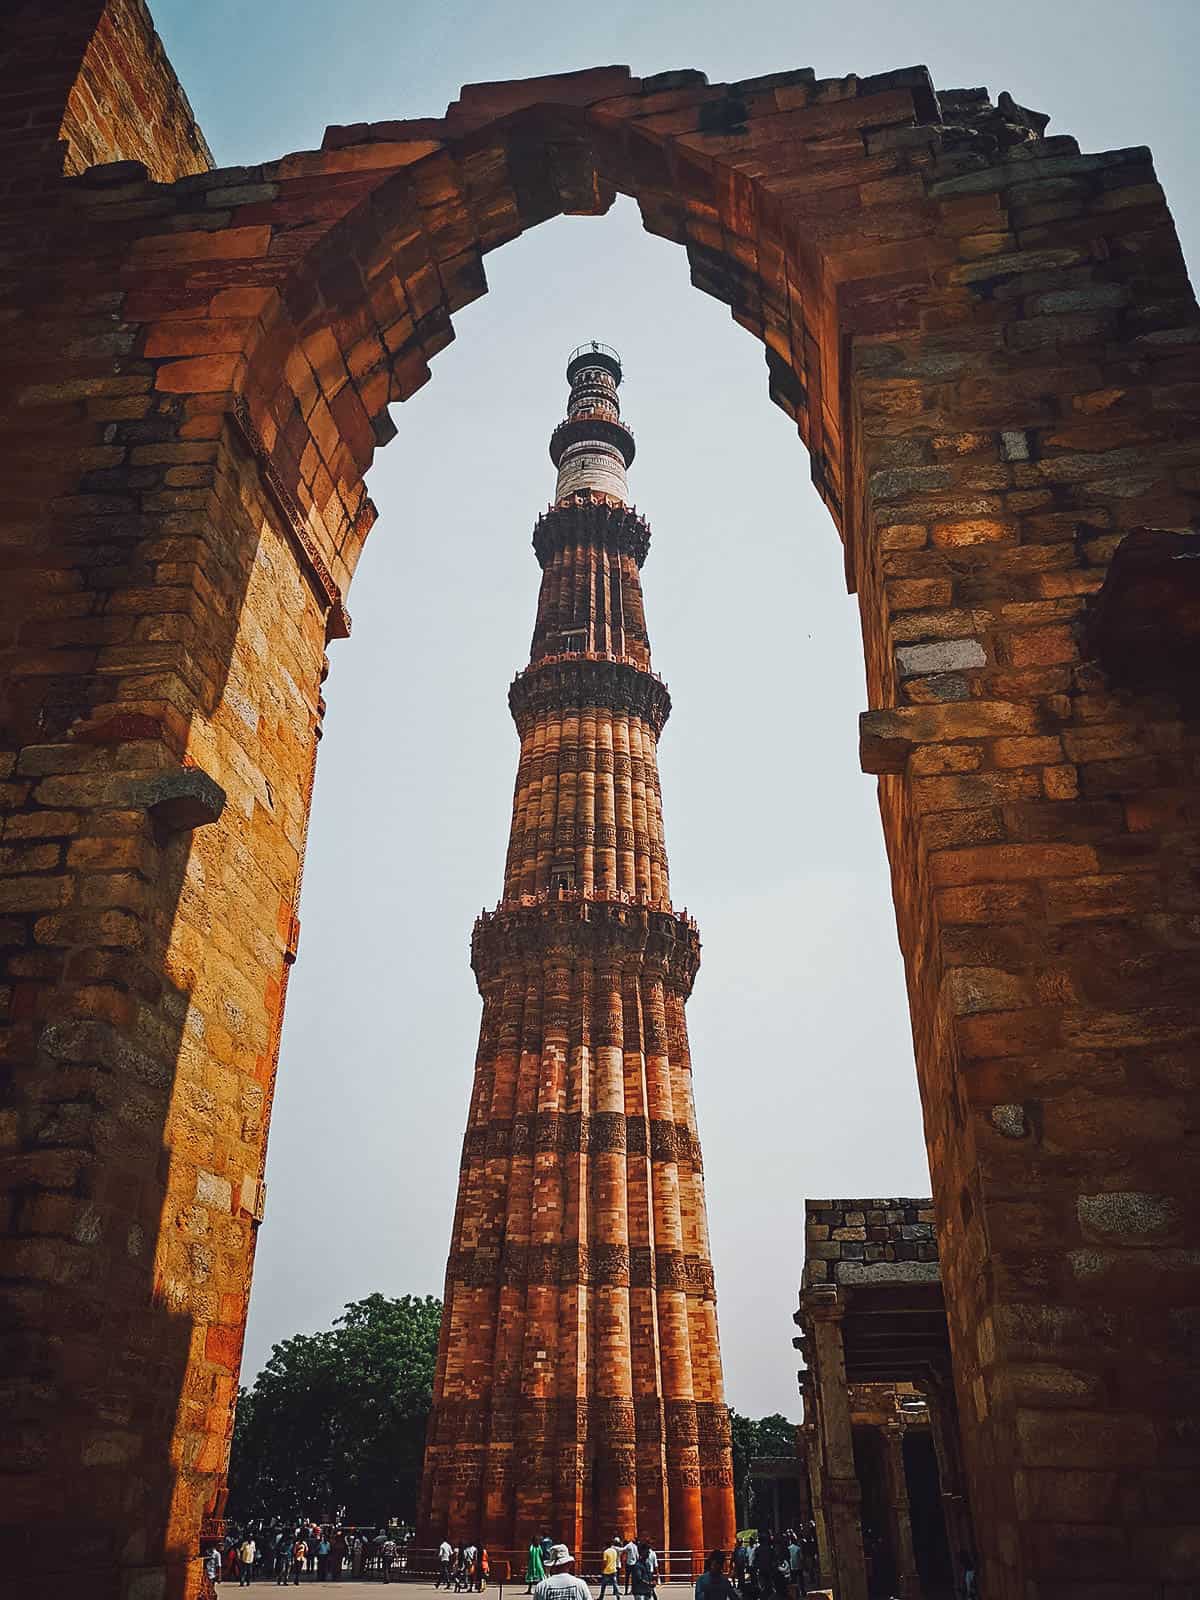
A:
x: 800, y: 1036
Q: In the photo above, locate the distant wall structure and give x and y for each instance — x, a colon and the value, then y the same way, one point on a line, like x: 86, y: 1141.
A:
x: 991, y: 351
x: 881, y: 1433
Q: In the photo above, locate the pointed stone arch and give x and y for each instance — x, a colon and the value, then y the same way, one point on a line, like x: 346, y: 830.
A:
x: 987, y: 341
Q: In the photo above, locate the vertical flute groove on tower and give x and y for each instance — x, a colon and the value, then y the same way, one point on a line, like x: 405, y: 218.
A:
x: 578, y: 1387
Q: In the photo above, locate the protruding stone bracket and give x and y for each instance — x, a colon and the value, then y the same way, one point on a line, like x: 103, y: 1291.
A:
x: 882, y: 747
x: 180, y: 800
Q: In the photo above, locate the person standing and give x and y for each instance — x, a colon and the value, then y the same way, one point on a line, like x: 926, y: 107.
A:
x: 299, y: 1556
x: 629, y: 1557
x: 247, y: 1555
x: 741, y: 1563
x: 610, y: 1560
x: 535, y: 1567
x: 389, y: 1555
x: 641, y: 1576
x: 560, y: 1582
x: 713, y: 1584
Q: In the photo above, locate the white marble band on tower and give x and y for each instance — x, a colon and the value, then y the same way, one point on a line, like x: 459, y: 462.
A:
x: 593, y: 447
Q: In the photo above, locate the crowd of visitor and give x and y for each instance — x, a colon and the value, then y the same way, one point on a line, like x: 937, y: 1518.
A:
x: 766, y: 1566
x: 305, y: 1550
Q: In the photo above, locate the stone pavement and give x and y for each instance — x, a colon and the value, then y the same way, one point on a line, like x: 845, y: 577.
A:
x: 411, y: 1589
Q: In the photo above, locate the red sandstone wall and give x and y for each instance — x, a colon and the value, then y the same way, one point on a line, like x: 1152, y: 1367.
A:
x: 128, y: 105
x: 85, y: 81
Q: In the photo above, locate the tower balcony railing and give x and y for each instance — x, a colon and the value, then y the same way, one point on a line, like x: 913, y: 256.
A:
x: 592, y: 415
x: 577, y: 896
x: 593, y: 348
x: 612, y: 656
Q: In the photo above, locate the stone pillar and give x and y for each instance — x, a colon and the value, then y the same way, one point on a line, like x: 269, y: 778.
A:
x: 841, y: 1493
x: 899, y: 1514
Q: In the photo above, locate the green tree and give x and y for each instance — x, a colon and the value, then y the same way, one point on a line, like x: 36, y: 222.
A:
x: 768, y: 1436
x: 338, y: 1418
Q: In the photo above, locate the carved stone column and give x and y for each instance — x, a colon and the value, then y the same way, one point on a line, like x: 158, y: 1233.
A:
x: 899, y: 1513
x: 841, y: 1493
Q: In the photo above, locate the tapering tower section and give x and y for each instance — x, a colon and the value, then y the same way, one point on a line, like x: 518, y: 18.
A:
x: 578, y: 1387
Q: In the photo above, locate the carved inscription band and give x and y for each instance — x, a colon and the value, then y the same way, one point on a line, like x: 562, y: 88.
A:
x: 571, y: 1133
x: 518, y: 1419
x: 599, y: 1266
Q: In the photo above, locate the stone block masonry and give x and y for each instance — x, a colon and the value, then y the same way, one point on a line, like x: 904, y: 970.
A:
x: 990, y: 348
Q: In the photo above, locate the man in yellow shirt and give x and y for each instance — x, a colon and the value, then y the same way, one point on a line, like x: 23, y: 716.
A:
x: 609, y: 1563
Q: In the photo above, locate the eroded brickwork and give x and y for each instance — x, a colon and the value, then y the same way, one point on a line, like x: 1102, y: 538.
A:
x: 989, y: 345
x: 579, y: 1379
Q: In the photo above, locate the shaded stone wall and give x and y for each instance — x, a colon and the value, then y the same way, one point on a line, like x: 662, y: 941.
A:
x: 989, y: 345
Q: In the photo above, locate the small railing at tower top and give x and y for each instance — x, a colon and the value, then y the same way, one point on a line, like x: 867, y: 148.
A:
x: 510, y: 1566
x: 594, y: 348
x: 615, y: 897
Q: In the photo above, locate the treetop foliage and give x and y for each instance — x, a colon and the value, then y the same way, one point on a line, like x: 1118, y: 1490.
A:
x: 337, y: 1419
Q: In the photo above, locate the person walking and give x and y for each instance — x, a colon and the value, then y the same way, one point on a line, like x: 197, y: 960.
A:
x: 482, y: 1568
x: 535, y: 1567
x: 212, y: 1563
x: 389, y: 1555
x: 560, y: 1583
x: 713, y: 1583
x: 299, y: 1556
x: 629, y: 1557
x: 247, y: 1555
x: 445, y: 1557
x: 610, y: 1560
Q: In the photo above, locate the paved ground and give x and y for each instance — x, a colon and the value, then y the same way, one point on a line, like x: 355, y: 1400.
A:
x: 412, y: 1589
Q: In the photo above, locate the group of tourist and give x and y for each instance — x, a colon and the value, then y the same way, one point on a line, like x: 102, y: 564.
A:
x: 463, y: 1567
x: 770, y: 1563
x: 303, y: 1550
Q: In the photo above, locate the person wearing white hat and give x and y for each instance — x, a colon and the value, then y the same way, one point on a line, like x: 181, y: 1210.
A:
x: 561, y: 1583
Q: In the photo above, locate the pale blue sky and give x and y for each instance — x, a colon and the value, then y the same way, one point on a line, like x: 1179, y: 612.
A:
x: 800, y: 1037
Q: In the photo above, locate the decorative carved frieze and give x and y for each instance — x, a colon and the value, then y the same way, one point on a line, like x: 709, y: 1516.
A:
x: 572, y: 683
x: 586, y: 521
x: 576, y: 930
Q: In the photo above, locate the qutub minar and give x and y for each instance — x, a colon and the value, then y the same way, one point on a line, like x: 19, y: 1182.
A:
x: 578, y: 1388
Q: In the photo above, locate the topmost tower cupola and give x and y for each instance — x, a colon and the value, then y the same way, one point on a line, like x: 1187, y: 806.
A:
x: 592, y: 447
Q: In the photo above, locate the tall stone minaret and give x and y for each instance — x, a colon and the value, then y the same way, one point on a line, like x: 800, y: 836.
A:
x: 578, y: 1388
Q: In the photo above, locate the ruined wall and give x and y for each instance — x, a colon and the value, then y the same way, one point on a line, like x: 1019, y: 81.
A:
x: 128, y: 105
x: 85, y: 81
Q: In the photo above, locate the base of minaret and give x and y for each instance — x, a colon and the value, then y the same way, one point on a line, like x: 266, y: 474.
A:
x: 579, y: 1386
